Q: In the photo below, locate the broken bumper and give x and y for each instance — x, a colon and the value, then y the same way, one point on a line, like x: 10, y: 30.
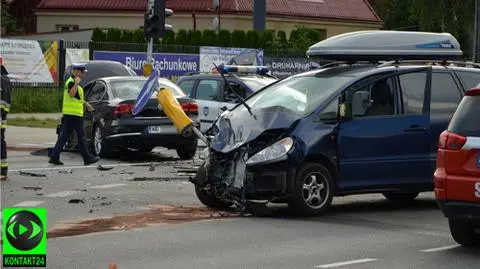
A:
x: 269, y: 181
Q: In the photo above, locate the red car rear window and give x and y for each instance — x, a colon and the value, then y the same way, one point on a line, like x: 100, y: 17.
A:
x: 466, y: 121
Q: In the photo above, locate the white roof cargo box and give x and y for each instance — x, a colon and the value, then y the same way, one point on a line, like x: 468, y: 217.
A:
x: 387, y: 46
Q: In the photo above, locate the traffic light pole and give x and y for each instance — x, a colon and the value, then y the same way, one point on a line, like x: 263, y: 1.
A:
x: 150, y: 51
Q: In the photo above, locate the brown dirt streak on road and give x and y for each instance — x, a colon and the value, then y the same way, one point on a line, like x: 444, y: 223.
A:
x: 157, y: 215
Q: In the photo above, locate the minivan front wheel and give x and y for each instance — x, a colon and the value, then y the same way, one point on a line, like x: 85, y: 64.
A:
x: 313, y: 190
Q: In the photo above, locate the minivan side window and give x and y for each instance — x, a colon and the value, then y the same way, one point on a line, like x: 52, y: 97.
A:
x: 445, y: 94
x: 413, y: 91
x: 382, y: 97
x: 187, y: 86
x: 469, y: 79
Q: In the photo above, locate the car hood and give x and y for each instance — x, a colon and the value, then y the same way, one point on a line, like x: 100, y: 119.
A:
x: 236, y: 128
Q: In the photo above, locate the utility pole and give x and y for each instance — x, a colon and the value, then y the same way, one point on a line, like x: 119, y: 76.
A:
x: 259, y: 15
x: 216, y: 18
x: 476, y: 34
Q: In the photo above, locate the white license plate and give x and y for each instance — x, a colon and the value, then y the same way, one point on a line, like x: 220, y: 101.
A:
x: 154, y: 129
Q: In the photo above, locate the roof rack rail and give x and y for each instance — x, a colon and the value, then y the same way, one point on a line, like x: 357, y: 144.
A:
x: 438, y: 62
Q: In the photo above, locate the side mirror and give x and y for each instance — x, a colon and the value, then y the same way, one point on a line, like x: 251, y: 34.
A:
x: 361, y: 101
x: 346, y: 111
x: 224, y: 108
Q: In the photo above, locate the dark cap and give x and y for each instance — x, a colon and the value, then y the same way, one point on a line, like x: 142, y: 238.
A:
x: 80, y: 67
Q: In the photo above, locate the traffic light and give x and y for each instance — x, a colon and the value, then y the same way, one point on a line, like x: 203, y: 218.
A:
x: 154, y: 25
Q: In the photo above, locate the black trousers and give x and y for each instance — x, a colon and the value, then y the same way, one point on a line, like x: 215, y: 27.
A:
x: 69, y: 124
x: 3, y: 154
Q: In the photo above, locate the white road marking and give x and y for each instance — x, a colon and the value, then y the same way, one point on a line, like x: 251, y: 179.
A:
x: 29, y: 204
x: 107, y: 186
x: 62, y: 194
x: 339, y: 264
x: 440, y: 248
x: 81, y: 167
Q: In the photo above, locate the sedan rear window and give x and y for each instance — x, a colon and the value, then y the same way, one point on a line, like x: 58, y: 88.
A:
x: 129, y: 89
x: 466, y: 121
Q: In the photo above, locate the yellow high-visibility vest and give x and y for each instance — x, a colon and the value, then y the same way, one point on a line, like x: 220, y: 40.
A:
x: 71, y: 105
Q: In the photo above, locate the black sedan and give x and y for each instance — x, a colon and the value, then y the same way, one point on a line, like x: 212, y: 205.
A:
x: 112, y: 127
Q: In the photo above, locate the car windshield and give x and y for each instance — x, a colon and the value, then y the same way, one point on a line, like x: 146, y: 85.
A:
x: 299, y: 94
x: 257, y: 83
x: 129, y: 89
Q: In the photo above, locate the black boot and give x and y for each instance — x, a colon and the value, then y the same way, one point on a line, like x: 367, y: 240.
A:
x: 91, y: 160
x: 55, y: 161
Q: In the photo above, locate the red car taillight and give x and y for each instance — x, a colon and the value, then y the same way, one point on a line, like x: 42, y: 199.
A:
x: 451, y: 141
x: 123, y: 109
x: 190, y: 107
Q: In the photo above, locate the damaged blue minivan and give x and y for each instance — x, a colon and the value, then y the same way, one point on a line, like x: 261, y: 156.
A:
x: 346, y: 128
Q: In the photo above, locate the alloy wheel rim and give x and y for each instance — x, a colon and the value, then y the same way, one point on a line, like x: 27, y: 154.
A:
x: 315, y: 190
x: 98, y: 141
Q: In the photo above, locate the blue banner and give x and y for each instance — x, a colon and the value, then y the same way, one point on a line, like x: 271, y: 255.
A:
x: 168, y: 64
x: 284, y: 67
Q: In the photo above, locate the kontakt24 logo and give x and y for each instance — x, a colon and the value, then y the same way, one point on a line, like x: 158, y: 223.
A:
x: 24, y: 237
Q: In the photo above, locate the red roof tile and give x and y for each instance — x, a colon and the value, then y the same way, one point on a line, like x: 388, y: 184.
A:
x: 334, y: 9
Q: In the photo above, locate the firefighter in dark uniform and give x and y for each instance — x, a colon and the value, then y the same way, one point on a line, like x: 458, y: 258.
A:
x: 5, y: 90
x: 72, y: 109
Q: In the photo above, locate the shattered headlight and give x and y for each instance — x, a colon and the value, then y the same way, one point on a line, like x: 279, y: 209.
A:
x: 276, y: 152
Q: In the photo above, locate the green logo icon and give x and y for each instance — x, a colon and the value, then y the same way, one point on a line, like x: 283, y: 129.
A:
x: 24, y: 237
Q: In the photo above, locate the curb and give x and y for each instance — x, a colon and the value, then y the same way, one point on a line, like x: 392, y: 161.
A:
x: 25, y: 149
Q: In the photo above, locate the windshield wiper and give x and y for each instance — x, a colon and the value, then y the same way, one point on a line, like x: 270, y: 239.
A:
x: 230, y: 89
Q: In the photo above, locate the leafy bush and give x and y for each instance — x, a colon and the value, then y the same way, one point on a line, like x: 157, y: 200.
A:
x: 36, y: 100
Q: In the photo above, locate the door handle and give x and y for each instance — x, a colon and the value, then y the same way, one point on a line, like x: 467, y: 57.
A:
x: 224, y: 108
x: 416, y: 128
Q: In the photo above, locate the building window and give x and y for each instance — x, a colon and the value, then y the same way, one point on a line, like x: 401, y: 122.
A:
x: 66, y: 27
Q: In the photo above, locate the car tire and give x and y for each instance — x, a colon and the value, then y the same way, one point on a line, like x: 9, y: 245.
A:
x: 97, y: 143
x: 463, y: 232
x: 187, y: 152
x: 207, y: 198
x: 401, y: 197
x: 313, y: 190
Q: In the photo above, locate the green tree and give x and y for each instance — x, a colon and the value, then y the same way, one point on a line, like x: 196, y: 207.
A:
x: 98, y: 35
x: 169, y: 38
x: 239, y: 39
x: 127, y: 36
x: 139, y: 36
x: 182, y: 37
x: 253, y: 39
x: 7, y: 20
x: 224, y: 38
x: 267, y: 39
x: 195, y: 37
x: 114, y: 35
x: 209, y: 38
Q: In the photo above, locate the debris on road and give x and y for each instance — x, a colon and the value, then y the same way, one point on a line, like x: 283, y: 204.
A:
x: 160, y: 214
x: 32, y: 188
x: 104, y: 168
x: 81, y: 190
x: 152, y: 168
x: 39, y: 194
x: 29, y: 174
x: 76, y: 201
x: 102, y: 204
x: 66, y: 171
x: 159, y: 179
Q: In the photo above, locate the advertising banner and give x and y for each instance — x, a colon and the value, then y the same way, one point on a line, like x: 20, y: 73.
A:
x: 169, y: 64
x: 284, y: 67
x: 76, y: 56
x: 233, y: 56
x: 25, y: 61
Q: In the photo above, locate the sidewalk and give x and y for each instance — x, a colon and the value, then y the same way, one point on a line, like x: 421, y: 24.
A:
x: 30, y: 139
x: 37, y: 116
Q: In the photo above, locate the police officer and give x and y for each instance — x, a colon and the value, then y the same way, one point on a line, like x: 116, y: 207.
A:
x: 73, y: 103
x: 5, y: 89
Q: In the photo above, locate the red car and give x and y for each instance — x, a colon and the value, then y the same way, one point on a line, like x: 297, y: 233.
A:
x: 457, y: 177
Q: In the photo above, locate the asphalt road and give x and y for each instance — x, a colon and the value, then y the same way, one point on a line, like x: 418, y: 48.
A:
x: 360, y: 231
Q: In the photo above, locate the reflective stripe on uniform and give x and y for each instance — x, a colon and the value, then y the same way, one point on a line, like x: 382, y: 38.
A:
x: 5, y: 106
x: 4, y: 164
x: 3, y: 124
